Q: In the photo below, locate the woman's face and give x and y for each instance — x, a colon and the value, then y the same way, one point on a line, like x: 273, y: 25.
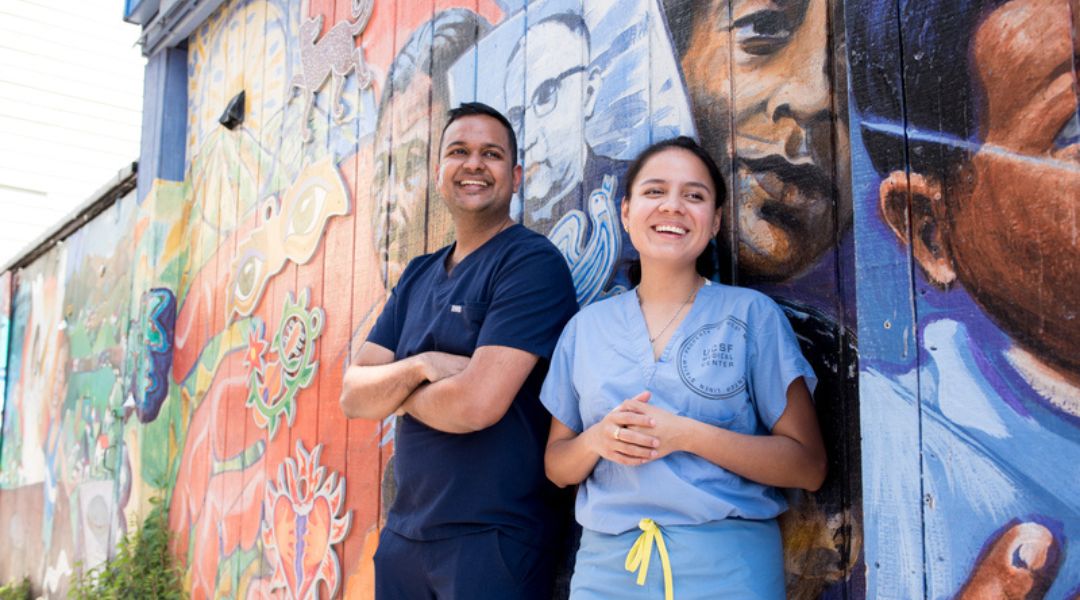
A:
x: 671, y: 213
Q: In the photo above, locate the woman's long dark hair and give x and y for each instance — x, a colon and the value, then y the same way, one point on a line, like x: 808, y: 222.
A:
x: 709, y: 258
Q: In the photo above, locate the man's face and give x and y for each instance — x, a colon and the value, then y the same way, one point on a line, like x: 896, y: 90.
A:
x: 766, y: 71
x: 477, y: 176
x: 1013, y: 234
x: 402, y: 172
x: 547, y: 114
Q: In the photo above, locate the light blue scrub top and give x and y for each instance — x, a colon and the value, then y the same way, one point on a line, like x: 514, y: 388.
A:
x: 729, y: 364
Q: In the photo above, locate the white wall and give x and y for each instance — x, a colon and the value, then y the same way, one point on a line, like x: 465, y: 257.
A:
x: 70, y: 109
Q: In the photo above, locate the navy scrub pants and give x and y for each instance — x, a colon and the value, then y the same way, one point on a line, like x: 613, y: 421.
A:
x: 488, y: 565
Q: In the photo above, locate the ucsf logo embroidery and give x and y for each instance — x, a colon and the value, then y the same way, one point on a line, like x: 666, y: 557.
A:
x: 710, y: 359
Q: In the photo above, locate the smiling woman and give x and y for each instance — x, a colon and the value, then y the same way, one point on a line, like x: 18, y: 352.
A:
x: 679, y: 407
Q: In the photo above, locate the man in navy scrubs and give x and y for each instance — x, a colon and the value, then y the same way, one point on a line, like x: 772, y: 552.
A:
x: 460, y: 350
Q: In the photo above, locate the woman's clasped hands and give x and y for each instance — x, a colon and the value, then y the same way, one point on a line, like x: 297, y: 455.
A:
x: 636, y: 432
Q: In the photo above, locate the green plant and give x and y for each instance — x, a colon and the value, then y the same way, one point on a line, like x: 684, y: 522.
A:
x: 143, y: 567
x: 16, y: 591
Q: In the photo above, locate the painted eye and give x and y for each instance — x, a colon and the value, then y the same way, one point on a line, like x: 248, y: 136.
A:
x: 544, y: 96
x: 248, y: 276
x: 516, y: 116
x: 381, y: 172
x: 304, y: 215
x: 1069, y: 134
x: 411, y: 168
x: 763, y: 32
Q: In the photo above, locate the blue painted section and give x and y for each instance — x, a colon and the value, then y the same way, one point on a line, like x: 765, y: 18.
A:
x: 970, y: 428
x: 140, y: 11
x: 164, y: 129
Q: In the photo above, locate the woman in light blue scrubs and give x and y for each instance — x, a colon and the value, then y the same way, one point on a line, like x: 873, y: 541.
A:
x: 680, y: 407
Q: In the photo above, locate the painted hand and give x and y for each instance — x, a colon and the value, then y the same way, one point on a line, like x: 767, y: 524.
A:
x: 1020, y: 563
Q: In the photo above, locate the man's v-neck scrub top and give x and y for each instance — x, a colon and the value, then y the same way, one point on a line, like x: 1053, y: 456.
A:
x: 514, y: 291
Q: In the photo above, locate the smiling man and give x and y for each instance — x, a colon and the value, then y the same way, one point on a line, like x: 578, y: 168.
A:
x: 460, y: 351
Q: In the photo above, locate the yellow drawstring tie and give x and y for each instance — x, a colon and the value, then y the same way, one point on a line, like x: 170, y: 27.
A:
x: 638, y: 557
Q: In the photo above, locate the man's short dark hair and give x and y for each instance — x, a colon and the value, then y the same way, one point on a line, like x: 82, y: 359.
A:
x: 431, y: 48
x: 928, y: 114
x: 682, y: 16
x: 471, y: 109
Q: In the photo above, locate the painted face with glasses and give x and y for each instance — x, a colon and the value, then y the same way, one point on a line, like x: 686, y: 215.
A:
x: 544, y: 98
x: 549, y: 94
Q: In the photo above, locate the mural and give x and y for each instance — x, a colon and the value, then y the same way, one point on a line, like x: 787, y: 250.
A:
x: 190, y: 344
x: 304, y: 505
x: 968, y: 187
x: 150, y: 342
x: 333, y: 56
x: 66, y: 477
x: 273, y: 384
x: 5, y: 328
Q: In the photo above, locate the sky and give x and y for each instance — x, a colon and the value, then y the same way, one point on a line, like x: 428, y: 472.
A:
x: 71, y: 77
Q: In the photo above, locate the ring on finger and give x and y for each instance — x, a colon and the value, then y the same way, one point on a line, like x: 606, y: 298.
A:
x: 616, y: 434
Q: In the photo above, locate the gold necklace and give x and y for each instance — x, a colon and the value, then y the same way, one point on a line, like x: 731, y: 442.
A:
x: 653, y: 339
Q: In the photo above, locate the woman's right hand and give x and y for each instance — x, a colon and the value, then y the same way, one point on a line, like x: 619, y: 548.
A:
x: 612, y: 437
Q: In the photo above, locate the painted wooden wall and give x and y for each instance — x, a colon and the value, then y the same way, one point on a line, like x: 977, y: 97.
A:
x: 189, y: 343
x: 966, y: 162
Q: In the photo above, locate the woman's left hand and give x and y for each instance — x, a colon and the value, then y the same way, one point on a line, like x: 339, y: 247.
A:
x: 667, y: 427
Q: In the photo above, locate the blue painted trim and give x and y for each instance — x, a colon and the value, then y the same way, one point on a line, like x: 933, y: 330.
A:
x: 164, y: 127
x: 140, y: 12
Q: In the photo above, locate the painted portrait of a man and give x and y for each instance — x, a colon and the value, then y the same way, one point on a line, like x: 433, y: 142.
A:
x: 976, y: 173
x: 759, y: 77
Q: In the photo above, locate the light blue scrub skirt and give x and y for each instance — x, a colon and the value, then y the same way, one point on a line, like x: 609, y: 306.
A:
x: 732, y: 558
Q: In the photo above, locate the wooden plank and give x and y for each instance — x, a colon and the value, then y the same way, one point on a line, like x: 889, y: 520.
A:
x: 222, y: 392
x: 273, y: 137
x: 337, y: 282
x: 237, y: 503
x: 995, y: 343
x: 365, y: 455
x: 253, y: 481
x: 309, y: 284
x: 887, y: 335
x: 362, y: 458
x: 338, y: 278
